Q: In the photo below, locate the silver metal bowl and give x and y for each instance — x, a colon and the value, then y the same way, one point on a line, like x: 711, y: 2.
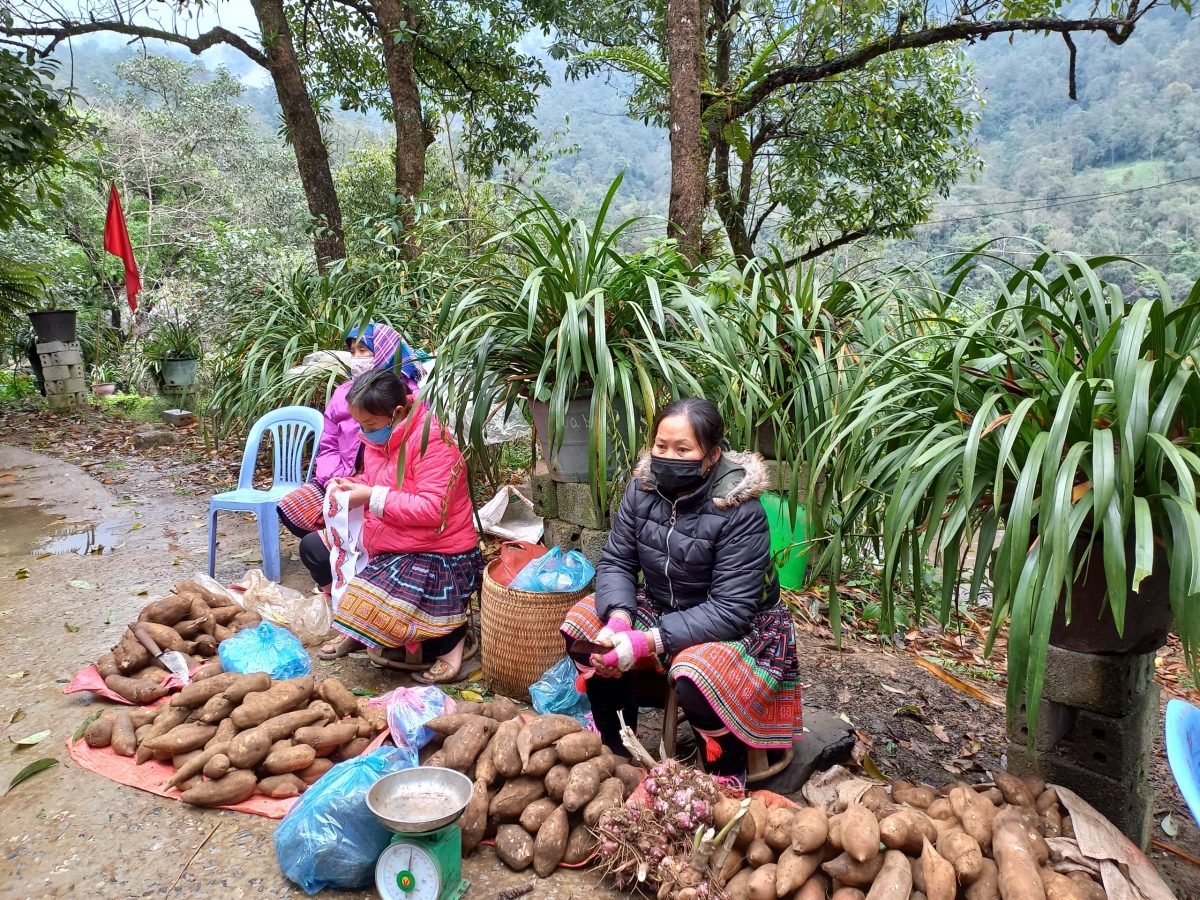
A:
x: 418, y: 800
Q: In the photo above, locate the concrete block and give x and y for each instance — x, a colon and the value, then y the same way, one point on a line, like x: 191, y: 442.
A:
x: 1056, y: 721
x: 58, y: 346
x: 154, y: 437
x: 1128, y: 804
x: 545, y: 492
x: 180, y: 418
x: 591, y: 543
x: 575, y: 505
x: 61, y: 358
x: 1112, y: 745
x: 62, y: 373
x: 559, y: 533
x: 67, y: 386
x: 1108, y: 684
x: 64, y: 401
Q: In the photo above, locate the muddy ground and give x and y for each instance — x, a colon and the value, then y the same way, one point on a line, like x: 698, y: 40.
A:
x: 69, y: 833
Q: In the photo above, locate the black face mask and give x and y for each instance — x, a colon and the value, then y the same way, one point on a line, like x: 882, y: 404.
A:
x: 677, y: 476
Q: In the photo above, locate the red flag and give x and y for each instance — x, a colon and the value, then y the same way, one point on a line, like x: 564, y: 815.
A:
x: 116, y: 242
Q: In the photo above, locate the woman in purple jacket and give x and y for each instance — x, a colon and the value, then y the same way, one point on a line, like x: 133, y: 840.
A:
x: 339, y: 450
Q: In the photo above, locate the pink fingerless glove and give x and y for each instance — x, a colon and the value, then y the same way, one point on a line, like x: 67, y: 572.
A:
x: 616, y: 625
x: 628, y: 647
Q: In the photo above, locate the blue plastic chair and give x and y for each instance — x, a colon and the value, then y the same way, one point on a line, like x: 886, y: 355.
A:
x: 290, y: 427
x: 1183, y: 751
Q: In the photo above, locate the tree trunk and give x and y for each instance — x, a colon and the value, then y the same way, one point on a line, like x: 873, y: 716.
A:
x: 312, y: 159
x: 686, y: 214
x: 412, y: 137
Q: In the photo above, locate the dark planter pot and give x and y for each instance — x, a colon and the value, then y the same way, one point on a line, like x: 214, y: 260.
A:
x: 570, y: 463
x: 53, y: 325
x: 179, y: 373
x: 1148, y: 617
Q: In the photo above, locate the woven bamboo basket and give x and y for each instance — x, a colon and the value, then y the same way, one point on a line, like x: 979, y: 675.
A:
x: 519, y: 633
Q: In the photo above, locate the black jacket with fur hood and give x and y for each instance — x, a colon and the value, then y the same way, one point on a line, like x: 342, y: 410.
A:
x: 705, y: 558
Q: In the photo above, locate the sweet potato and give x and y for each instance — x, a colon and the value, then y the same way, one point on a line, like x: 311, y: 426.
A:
x: 165, y: 612
x: 578, y: 747
x: 464, y: 746
x: 631, y: 777
x: 1088, y: 889
x: 542, y: 732
x: 151, y: 673
x: 551, y: 843
x: 987, y: 885
x: 894, y: 881
x: 135, y: 690
x: 738, y: 887
x: 290, y: 759
x: 235, y: 787
x: 1015, y: 790
x: 325, y: 738
x: 165, y: 636
x: 122, y: 738
x: 190, y: 629
x: 504, y: 749
x: 556, y: 782
x: 258, y: 706
x: 434, y: 761
x: 208, y: 670
x: 940, y: 809
x: 876, y: 798
x: 182, y: 738
x: 223, y: 633
x: 99, y: 733
x: 181, y: 759
x: 130, y: 655
x: 249, y: 748
x: 217, y: 708
x: 793, y: 869
x: 107, y: 665
x: 217, y: 766
x: 539, y: 763
x: 849, y: 893
x: 339, y: 697
x: 758, y: 812
x: 810, y: 828
x: 318, y: 768
x: 1019, y: 878
x: 504, y: 709
x: 192, y: 589
x: 581, y: 844
x: 581, y: 787
x: 814, y: 889
x: 905, y: 830
x: 778, y: 834
x: 762, y: 882
x: 514, y: 846
x: 835, y: 831
x: 244, y: 619
x: 940, y: 883
x: 1028, y: 821
x: 447, y: 725
x: 963, y: 853
x: 759, y: 854
x: 1052, y: 822
x: 734, y: 861
x: 1046, y: 799
x: 244, y: 685
x: 517, y: 794
x: 286, y: 785
x: 919, y: 796
x: 609, y: 796
x: 974, y: 813
x: 352, y: 748
x: 846, y: 869
x: 536, y: 813
x: 474, y: 818
x: 1061, y: 887
x: 1035, y: 784
x: 289, y: 723
x: 198, y: 693
x: 205, y: 646
x: 860, y: 833
x: 992, y: 796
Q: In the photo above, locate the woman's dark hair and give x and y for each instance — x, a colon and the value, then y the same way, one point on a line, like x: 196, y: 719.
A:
x: 702, y: 415
x: 379, y: 393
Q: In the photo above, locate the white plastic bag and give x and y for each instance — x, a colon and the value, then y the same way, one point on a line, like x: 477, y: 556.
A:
x: 510, y: 515
x: 308, y: 617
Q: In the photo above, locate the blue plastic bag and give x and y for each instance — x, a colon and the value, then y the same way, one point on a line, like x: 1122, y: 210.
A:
x: 555, y: 693
x: 267, y: 648
x: 555, y: 572
x: 329, y: 838
x: 408, y: 709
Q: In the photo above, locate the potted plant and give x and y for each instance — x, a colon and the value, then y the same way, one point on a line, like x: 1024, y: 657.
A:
x: 1065, y: 417
x: 590, y: 337
x: 103, y: 382
x: 175, y: 349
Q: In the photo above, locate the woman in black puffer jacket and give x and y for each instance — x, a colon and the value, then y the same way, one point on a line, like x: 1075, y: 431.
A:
x: 707, y: 610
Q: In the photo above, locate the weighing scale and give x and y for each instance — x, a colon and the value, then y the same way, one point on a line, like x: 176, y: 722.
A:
x: 424, y: 859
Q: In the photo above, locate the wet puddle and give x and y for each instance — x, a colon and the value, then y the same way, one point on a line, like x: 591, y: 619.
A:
x: 31, y: 531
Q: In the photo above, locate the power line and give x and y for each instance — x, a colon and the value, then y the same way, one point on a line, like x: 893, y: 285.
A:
x: 1033, y: 250
x: 1148, y: 187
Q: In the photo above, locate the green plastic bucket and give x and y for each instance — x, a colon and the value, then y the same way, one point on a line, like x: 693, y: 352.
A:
x: 787, y: 540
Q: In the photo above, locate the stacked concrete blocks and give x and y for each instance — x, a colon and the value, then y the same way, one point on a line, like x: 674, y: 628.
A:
x: 1096, y: 726
x: 62, y: 369
x: 573, y: 522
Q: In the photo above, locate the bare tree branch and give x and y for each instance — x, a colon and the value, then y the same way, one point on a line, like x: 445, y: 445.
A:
x: 64, y: 29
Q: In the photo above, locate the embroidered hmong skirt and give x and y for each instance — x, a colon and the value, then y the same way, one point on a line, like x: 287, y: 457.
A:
x: 301, y: 508
x: 405, y: 598
x: 752, y: 683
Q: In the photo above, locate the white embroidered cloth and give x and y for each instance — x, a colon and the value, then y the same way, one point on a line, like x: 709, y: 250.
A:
x: 343, y: 537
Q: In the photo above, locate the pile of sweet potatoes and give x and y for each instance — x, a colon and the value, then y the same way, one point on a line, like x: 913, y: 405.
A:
x: 907, y: 842
x: 230, y: 736
x: 193, y: 621
x: 540, y: 784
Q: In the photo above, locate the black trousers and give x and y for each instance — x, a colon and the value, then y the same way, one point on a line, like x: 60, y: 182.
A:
x: 315, y: 556
x: 610, y: 695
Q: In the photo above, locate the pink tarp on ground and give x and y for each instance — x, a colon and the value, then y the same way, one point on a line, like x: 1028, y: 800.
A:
x: 89, y: 680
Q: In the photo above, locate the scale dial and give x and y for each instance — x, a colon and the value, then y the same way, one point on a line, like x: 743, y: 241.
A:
x: 407, y: 871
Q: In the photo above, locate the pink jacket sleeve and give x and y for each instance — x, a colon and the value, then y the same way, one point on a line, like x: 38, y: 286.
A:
x: 425, y: 493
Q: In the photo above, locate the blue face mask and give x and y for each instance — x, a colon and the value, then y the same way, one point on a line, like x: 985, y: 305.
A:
x: 379, y: 435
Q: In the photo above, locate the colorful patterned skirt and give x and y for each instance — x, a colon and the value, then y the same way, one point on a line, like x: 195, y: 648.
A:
x: 752, y: 683
x: 301, y: 508
x: 405, y: 598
